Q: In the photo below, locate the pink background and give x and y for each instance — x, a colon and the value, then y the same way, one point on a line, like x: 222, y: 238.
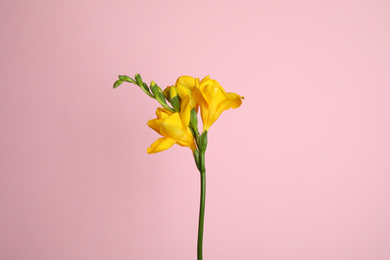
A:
x: 300, y: 171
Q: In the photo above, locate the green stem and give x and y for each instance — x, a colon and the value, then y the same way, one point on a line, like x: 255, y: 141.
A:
x: 202, y: 204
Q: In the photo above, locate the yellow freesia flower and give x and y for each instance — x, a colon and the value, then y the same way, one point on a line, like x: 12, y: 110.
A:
x: 174, y: 127
x: 213, y: 100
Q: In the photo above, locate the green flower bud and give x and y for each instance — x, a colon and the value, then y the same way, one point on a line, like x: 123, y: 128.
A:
x: 174, y: 99
x: 140, y: 83
x: 194, y: 120
x: 159, y: 95
x: 167, y: 92
x: 194, y: 134
x: 157, y: 92
x: 145, y: 88
x: 127, y: 79
x: 139, y: 80
x: 117, y: 83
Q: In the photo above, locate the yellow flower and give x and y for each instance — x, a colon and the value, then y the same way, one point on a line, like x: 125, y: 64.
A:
x: 213, y: 100
x: 173, y: 127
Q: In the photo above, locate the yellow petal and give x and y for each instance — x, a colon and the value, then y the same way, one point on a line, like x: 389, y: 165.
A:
x: 173, y: 92
x: 163, y: 113
x: 185, y: 111
x: 213, y: 92
x: 204, y: 79
x: 161, y: 144
x: 188, y: 142
x: 204, y: 106
x: 166, y: 92
x: 235, y: 96
x: 155, y: 124
x: 183, y: 91
x: 186, y: 81
x: 199, y: 97
x: 214, y: 95
x: 172, y: 127
x: 233, y: 101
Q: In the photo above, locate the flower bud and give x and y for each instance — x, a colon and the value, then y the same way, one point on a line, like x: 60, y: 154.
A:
x: 174, y: 99
x: 145, y: 87
x: 142, y: 85
x: 159, y: 95
x: 127, y: 79
x: 139, y: 80
x: 117, y: 83
x: 167, y: 92
x: 194, y: 120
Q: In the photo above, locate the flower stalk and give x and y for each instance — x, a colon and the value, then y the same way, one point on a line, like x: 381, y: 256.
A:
x: 202, y: 204
x: 200, y: 163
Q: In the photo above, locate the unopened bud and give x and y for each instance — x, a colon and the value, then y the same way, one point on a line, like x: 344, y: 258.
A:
x: 117, y: 83
x: 194, y: 120
x: 167, y: 92
x: 139, y: 80
x: 126, y: 78
x: 174, y: 99
x: 158, y: 94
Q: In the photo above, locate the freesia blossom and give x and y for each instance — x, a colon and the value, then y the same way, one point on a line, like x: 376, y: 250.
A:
x: 213, y: 100
x: 174, y: 127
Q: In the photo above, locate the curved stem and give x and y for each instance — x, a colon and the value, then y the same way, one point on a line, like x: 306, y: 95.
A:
x: 202, y: 204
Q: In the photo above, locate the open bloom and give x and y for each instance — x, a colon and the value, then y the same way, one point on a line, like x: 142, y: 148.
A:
x: 174, y: 127
x: 213, y: 100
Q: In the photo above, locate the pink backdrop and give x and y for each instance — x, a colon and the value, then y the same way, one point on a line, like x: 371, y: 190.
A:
x: 300, y: 171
